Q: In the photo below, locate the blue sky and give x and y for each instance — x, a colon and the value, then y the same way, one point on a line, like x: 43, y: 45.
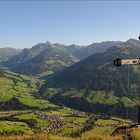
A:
x: 25, y: 23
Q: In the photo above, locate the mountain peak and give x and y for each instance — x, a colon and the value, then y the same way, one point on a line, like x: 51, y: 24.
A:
x: 48, y: 43
x: 132, y: 40
x: 43, y: 45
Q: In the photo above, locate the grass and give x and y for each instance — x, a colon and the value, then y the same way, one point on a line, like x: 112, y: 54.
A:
x: 128, y: 102
x: 103, y: 127
x: 135, y: 133
x: 63, y: 112
x: 18, y: 122
x: 102, y: 97
x: 31, y: 116
x: 50, y: 92
x: 9, y: 127
x: 75, y: 120
x: 106, y: 122
x: 100, y: 131
x: 45, y: 136
x: 121, y: 120
x: 23, y: 88
x: 47, y: 119
x: 71, y: 125
x: 9, y: 113
x: 67, y: 131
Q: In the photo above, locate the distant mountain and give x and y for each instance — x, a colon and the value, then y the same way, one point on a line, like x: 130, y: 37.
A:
x: 5, y: 53
x: 25, y: 55
x: 96, y: 80
x: 45, y: 57
x: 84, y: 52
x: 74, y: 49
x: 40, y: 58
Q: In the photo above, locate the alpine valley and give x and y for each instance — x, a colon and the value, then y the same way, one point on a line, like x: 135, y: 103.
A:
x: 53, y: 91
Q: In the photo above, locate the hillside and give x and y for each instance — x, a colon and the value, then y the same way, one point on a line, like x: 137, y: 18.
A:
x: 41, y: 58
x: 48, y: 58
x: 5, y: 53
x: 97, y: 84
x: 25, y: 55
x: 27, y: 110
x: 84, y: 52
x: 18, y: 92
x: 23, y: 113
x: 83, y: 74
x: 135, y: 134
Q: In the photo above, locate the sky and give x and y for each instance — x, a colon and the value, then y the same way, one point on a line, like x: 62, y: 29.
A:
x: 26, y: 23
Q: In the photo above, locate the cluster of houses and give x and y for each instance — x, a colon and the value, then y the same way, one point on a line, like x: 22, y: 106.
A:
x: 54, y: 121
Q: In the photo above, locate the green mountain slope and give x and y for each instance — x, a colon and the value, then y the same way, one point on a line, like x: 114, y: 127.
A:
x: 97, y: 71
x: 41, y: 58
x: 33, y: 113
x: 18, y: 92
x: 95, y: 84
x: 48, y: 57
x: 21, y: 112
x: 25, y: 55
x: 53, y: 58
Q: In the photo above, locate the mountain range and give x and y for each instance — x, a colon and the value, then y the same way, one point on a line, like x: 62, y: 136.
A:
x: 85, y: 81
x: 46, y: 57
x: 5, y: 53
x: 96, y: 85
x: 89, y: 72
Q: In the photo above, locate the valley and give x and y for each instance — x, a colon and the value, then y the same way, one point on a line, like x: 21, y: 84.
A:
x: 23, y: 113
x: 69, y: 70
x: 48, y: 91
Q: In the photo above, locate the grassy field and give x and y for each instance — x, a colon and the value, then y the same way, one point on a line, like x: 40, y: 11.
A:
x: 10, y: 127
x: 63, y: 122
x: 102, y: 127
x: 135, y: 134
x: 24, y: 116
x: 22, y: 89
x: 105, y: 122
